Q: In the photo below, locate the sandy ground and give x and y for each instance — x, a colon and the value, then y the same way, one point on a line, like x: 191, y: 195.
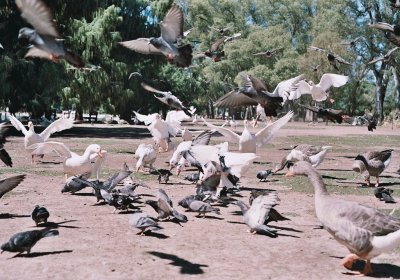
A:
x: 94, y: 243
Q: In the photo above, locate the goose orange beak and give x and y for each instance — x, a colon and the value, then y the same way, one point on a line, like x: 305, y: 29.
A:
x: 290, y: 174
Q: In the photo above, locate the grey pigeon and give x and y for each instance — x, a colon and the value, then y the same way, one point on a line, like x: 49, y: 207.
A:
x: 268, y: 53
x: 184, y: 202
x: 257, y: 214
x: 44, y: 38
x: 24, y: 241
x: 167, y: 98
x: 194, y: 177
x: 163, y: 175
x: 118, y: 200
x: 10, y: 183
x: 164, y: 207
x: 384, y: 194
x: 263, y: 175
x: 75, y: 184
x: 171, y: 31
x: 143, y: 222
x: 326, y: 113
x: 40, y: 215
x: 202, y: 208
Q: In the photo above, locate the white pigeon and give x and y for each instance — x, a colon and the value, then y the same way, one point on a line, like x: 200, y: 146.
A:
x: 74, y: 164
x: 145, y: 155
x: 186, y: 135
x: 160, y: 130
x: 248, y: 142
x: 319, y: 92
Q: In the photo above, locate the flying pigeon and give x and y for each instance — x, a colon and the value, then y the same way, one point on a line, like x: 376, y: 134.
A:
x: 392, y: 31
x: 330, y: 114
x: 10, y: 183
x: 24, y: 241
x: 143, y: 222
x: 163, y: 206
x: 386, y: 58
x: 44, y: 38
x: 268, y: 53
x: 332, y: 58
x: 171, y: 31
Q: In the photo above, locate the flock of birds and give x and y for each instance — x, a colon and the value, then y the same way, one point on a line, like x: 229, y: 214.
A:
x: 365, y: 231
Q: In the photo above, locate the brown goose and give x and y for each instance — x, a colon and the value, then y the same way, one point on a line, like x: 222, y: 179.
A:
x: 372, y: 164
x: 365, y: 231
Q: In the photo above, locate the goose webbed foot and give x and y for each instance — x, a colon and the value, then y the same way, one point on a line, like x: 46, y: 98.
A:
x: 349, y: 260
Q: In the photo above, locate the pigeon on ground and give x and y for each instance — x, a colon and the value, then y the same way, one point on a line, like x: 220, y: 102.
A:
x: 163, y: 175
x: 184, y: 202
x: 163, y: 206
x: 263, y: 175
x: 274, y: 215
x: 75, y: 184
x: 118, y: 200
x: 143, y: 222
x: 332, y: 58
x: 24, y: 241
x: 44, y: 38
x: 194, y: 177
x: 255, y: 216
x: 202, y: 208
x: 384, y: 194
x: 171, y: 31
x: 40, y: 215
x: 10, y: 183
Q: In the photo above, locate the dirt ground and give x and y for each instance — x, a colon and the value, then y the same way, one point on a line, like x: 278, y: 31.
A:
x: 94, y: 243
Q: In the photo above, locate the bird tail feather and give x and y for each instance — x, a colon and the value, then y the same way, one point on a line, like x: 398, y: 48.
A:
x: 74, y: 59
x: 47, y: 232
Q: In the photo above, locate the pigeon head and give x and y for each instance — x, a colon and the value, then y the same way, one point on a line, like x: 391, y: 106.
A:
x: 26, y: 35
x: 6, y: 247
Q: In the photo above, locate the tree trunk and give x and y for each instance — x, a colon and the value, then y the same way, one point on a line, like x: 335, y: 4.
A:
x: 211, y: 106
x: 380, y: 92
x: 396, y: 88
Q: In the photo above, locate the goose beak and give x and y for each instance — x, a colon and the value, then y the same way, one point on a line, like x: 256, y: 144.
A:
x: 290, y: 174
x: 100, y: 154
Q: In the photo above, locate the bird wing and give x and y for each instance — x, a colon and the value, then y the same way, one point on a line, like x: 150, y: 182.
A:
x: 235, y: 98
x: 257, y: 84
x: 8, y: 184
x: 265, y: 134
x: 341, y: 60
x: 147, y: 119
x: 259, y: 209
x: 56, y: 126
x: 389, y: 53
x: 394, y: 39
x: 203, y: 138
x: 141, y: 45
x: 239, y: 163
x: 215, y: 46
x: 176, y: 115
x: 50, y: 146
x: 161, y: 194
x: 35, y: 52
x: 232, y: 136
x: 18, y: 125
x: 205, y: 153
x: 332, y: 80
x: 317, y: 49
x: 172, y: 25
x: 39, y: 16
x: 174, y: 127
x: 113, y: 180
x: 151, y: 89
x: 311, y: 108
x: 283, y: 88
x: 375, y: 60
x: 382, y: 26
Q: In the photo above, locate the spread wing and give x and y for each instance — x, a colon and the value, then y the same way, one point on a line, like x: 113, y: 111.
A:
x: 141, y: 45
x: 215, y: 46
x: 176, y: 115
x: 147, y: 119
x: 332, y: 80
x: 151, y: 89
x: 203, y: 138
x: 50, y: 146
x: 283, y: 88
x: 18, y: 125
x: 56, y: 126
x: 265, y: 134
x: 35, y: 52
x: 8, y: 184
x: 172, y: 25
x: 234, y: 99
x: 39, y: 16
x: 232, y: 136
x: 259, y: 209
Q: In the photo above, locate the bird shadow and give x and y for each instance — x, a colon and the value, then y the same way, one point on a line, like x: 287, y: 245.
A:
x: 57, y: 225
x: 12, y: 216
x: 332, y: 177
x: 40, y: 254
x: 269, y: 181
x: 83, y: 194
x: 380, y: 270
x: 156, y: 235
x: 186, y: 267
x: 234, y: 222
x: 237, y: 213
x: 50, y: 162
x: 334, y: 169
x: 284, y: 228
x: 209, y: 217
x: 257, y: 189
x: 262, y: 162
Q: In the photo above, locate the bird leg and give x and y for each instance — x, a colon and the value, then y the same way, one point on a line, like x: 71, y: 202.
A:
x: 66, y: 177
x: 377, y: 181
x: 367, y: 268
x: 348, y: 261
